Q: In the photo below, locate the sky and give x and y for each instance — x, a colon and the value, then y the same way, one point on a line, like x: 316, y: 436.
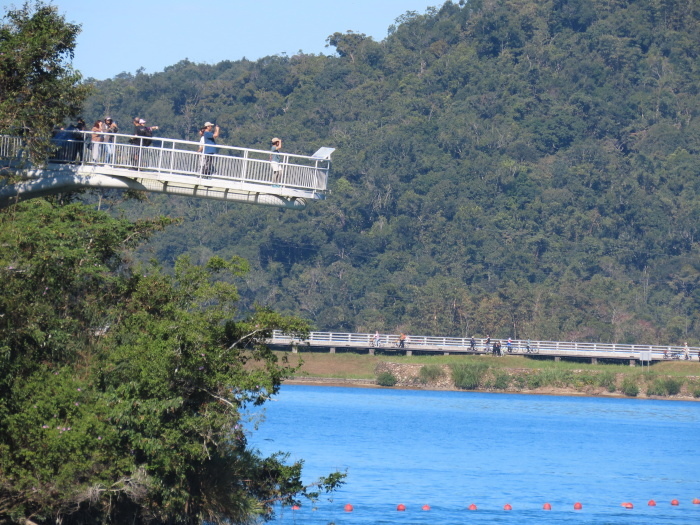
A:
x: 126, y: 35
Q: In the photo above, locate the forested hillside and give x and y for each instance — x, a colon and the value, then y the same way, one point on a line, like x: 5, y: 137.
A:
x: 510, y: 167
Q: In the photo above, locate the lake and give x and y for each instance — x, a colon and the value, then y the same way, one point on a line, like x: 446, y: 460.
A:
x: 452, y: 449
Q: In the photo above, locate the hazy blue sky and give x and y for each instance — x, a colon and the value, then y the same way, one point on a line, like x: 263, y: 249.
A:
x: 124, y: 35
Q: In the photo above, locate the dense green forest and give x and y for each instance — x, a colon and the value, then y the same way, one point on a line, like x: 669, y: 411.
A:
x: 125, y: 392
x: 510, y: 167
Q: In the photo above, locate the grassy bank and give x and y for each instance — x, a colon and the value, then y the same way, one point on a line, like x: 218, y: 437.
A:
x: 507, y: 374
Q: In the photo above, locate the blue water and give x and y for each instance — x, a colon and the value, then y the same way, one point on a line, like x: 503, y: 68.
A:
x: 451, y: 449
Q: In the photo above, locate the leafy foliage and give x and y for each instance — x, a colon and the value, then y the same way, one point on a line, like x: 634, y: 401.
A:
x: 123, y: 393
x: 430, y: 373
x: 513, y: 168
x: 39, y: 87
x: 470, y: 375
x: 386, y: 379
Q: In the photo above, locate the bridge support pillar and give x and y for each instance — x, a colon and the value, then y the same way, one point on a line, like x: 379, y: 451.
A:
x: 371, y: 351
x: 332, y: 350
x: 557, y: 358
x: 633, y: 362
x: 409, y: 352
x: 446, y: 353
x: 594, y: 360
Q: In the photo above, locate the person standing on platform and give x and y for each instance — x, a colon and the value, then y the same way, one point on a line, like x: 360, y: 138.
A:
x: 109, y: 141
x: 276, y: 161
x: 96, y: 139
x: 142, y: 139
x: 208, y: 147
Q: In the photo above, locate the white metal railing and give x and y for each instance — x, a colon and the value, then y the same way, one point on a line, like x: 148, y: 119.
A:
x: 10, y: 147
x: 180, y: 157
x: 463, y: 344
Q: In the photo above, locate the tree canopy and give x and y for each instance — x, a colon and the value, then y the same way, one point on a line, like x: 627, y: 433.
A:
x: 39, y: 88
x: 517, y: 168
x: 124, y: 389
x: 123, y: 393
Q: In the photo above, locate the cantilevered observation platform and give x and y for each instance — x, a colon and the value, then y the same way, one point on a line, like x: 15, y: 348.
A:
x: 166, y: 166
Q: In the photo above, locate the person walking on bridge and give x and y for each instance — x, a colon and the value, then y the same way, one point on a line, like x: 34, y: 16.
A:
x: 402, y: 340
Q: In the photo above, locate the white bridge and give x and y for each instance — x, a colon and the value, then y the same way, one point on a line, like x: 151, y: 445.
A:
x: 166, y: 166
x: 361, y: 342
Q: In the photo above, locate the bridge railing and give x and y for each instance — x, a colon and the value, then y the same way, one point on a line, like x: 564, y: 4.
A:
x: 463, y: 344
x: 180, y: 157
x: 10, y: 147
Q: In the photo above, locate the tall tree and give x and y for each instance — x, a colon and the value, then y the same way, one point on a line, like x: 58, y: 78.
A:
x: 38, y: 86
x: 123, y: 394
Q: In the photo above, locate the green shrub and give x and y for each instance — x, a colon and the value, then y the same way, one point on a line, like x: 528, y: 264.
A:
x: 430, y: 373
x: 519, y: 381
x: 555, y: 377
x: 665, y: 386
x: 656, y: 388
x: 386, y: 379
x: 630, y: 387
x: 696, y: 390
x: 468, y: 376
x: 585, y: 379
x: 607, y: 380
x: 534, y: 380
x: 501, y: 381
x: 673, y: 386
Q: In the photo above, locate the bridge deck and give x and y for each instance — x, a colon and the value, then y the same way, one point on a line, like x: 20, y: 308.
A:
x: 461, y: 345
x: 168, y: 166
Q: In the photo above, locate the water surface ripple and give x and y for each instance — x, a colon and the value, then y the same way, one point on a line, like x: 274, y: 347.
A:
x: 451, y: 449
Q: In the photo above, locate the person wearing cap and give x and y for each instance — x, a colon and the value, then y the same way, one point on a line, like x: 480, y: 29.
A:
x: 276, y: 160
x: 111, y: 127
x: 142, y: 139
x: 208, y: 147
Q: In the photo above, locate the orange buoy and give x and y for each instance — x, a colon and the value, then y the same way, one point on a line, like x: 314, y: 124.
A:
x: 401, y: 507
x: 547, y: 506
x: 577, y: 506
x: 348, y: 507
x: 425, y: 507
x: 295, y: 507
x: 674, y: 502
x: 696, y: 501
x: 507, y: 507
x: 471, y: 507
x: 627, y: 505
x: 651, y: 503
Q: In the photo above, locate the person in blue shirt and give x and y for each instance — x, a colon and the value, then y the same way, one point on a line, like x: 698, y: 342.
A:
x: 208, y: 147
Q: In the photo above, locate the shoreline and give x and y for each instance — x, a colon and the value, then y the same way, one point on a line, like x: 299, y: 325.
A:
x: 542, y: 391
